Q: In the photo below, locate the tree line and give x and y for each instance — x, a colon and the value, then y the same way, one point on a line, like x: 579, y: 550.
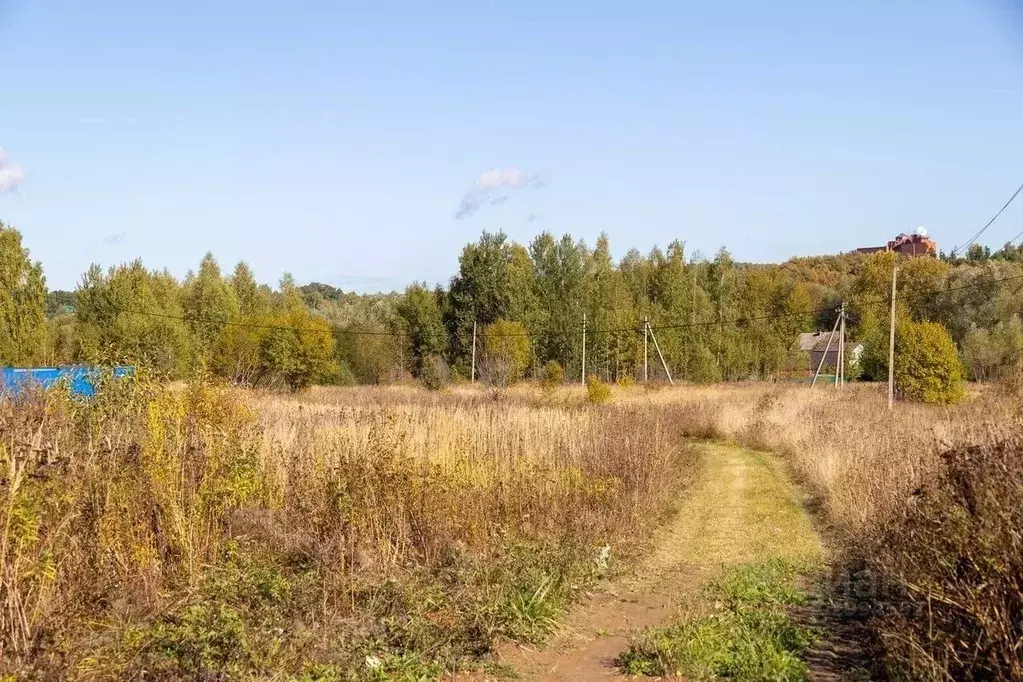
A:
x: 715, y: 319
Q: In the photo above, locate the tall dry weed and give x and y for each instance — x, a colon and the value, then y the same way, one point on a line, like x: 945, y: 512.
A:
x: 204, y: 533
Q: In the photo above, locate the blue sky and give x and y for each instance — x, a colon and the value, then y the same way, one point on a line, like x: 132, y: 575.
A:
x: 338, y: 140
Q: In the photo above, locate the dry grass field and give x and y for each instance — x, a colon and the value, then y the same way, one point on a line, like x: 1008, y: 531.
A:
x: 342, y: 534
x: 395, y: 533
x: 927, y: 500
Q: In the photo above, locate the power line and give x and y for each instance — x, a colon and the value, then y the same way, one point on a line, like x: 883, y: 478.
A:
x: 974, y: 238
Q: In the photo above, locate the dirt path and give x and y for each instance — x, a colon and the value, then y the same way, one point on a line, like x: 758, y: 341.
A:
x: 742, y: 509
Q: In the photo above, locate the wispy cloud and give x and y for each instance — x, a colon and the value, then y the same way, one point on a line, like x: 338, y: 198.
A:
x: 492, y: 188
x: 11, y: 174
x: 114, y: 238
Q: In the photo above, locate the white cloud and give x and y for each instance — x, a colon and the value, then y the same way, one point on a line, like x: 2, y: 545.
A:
x: 509, y: 177
x: 11, y: 174
x: 489, y: 186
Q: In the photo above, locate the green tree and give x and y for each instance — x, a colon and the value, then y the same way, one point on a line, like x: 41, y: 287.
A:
x: 252, y: 300
x: 435, y: 373
x: 480, y: 292
x: 774, y: 310
x: 368, y: 358
x: 614, y: 340
x: 506, y: 352
x: 133, y: 315
x: 420, y: 319
x: 209, y: 303
x: 289, y: 297
x: 22, y: 302
x: 296, y: 349
x: 521, y: 285
x: 561, y: 267
x: 366, y: 331
x: 237, y: 353
x: 59, y: 303
x: 927, y: 365
x: 918, y: 291
x: 315, y: 293
x: 720, y: 280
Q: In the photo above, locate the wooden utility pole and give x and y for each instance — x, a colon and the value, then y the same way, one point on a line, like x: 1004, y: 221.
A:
x: 584, y: 349
x: 839, y: 378
x: 841, y: 354
x: 473, y: 377
x: 660, y: 354
x: 825, y: 356
x: 646, y: 343
x: 891, y: 343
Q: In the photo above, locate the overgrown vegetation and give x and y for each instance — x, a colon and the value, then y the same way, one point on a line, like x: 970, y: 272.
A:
x: 743, y: 632
x: 349, y: 534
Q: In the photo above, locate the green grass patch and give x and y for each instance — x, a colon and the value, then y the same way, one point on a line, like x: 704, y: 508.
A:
x: 248, y: 618
x: 744, y: 633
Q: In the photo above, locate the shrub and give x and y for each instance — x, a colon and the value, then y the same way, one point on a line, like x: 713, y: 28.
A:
x: 506, y: 352
x: 994, y: 353
x: 597, y: 392
x: 927, y: 366
x: 435, y: 373
x: 552, y: 377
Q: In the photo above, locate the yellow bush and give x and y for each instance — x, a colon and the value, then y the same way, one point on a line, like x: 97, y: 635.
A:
x: 597, y: 392
x: 552, y: 377
x: 927, y: 365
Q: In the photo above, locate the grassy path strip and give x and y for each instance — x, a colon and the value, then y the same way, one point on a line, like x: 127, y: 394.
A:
x: 743, y: 528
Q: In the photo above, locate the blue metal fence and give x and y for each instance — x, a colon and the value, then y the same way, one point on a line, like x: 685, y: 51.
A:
x: 80, y: 379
